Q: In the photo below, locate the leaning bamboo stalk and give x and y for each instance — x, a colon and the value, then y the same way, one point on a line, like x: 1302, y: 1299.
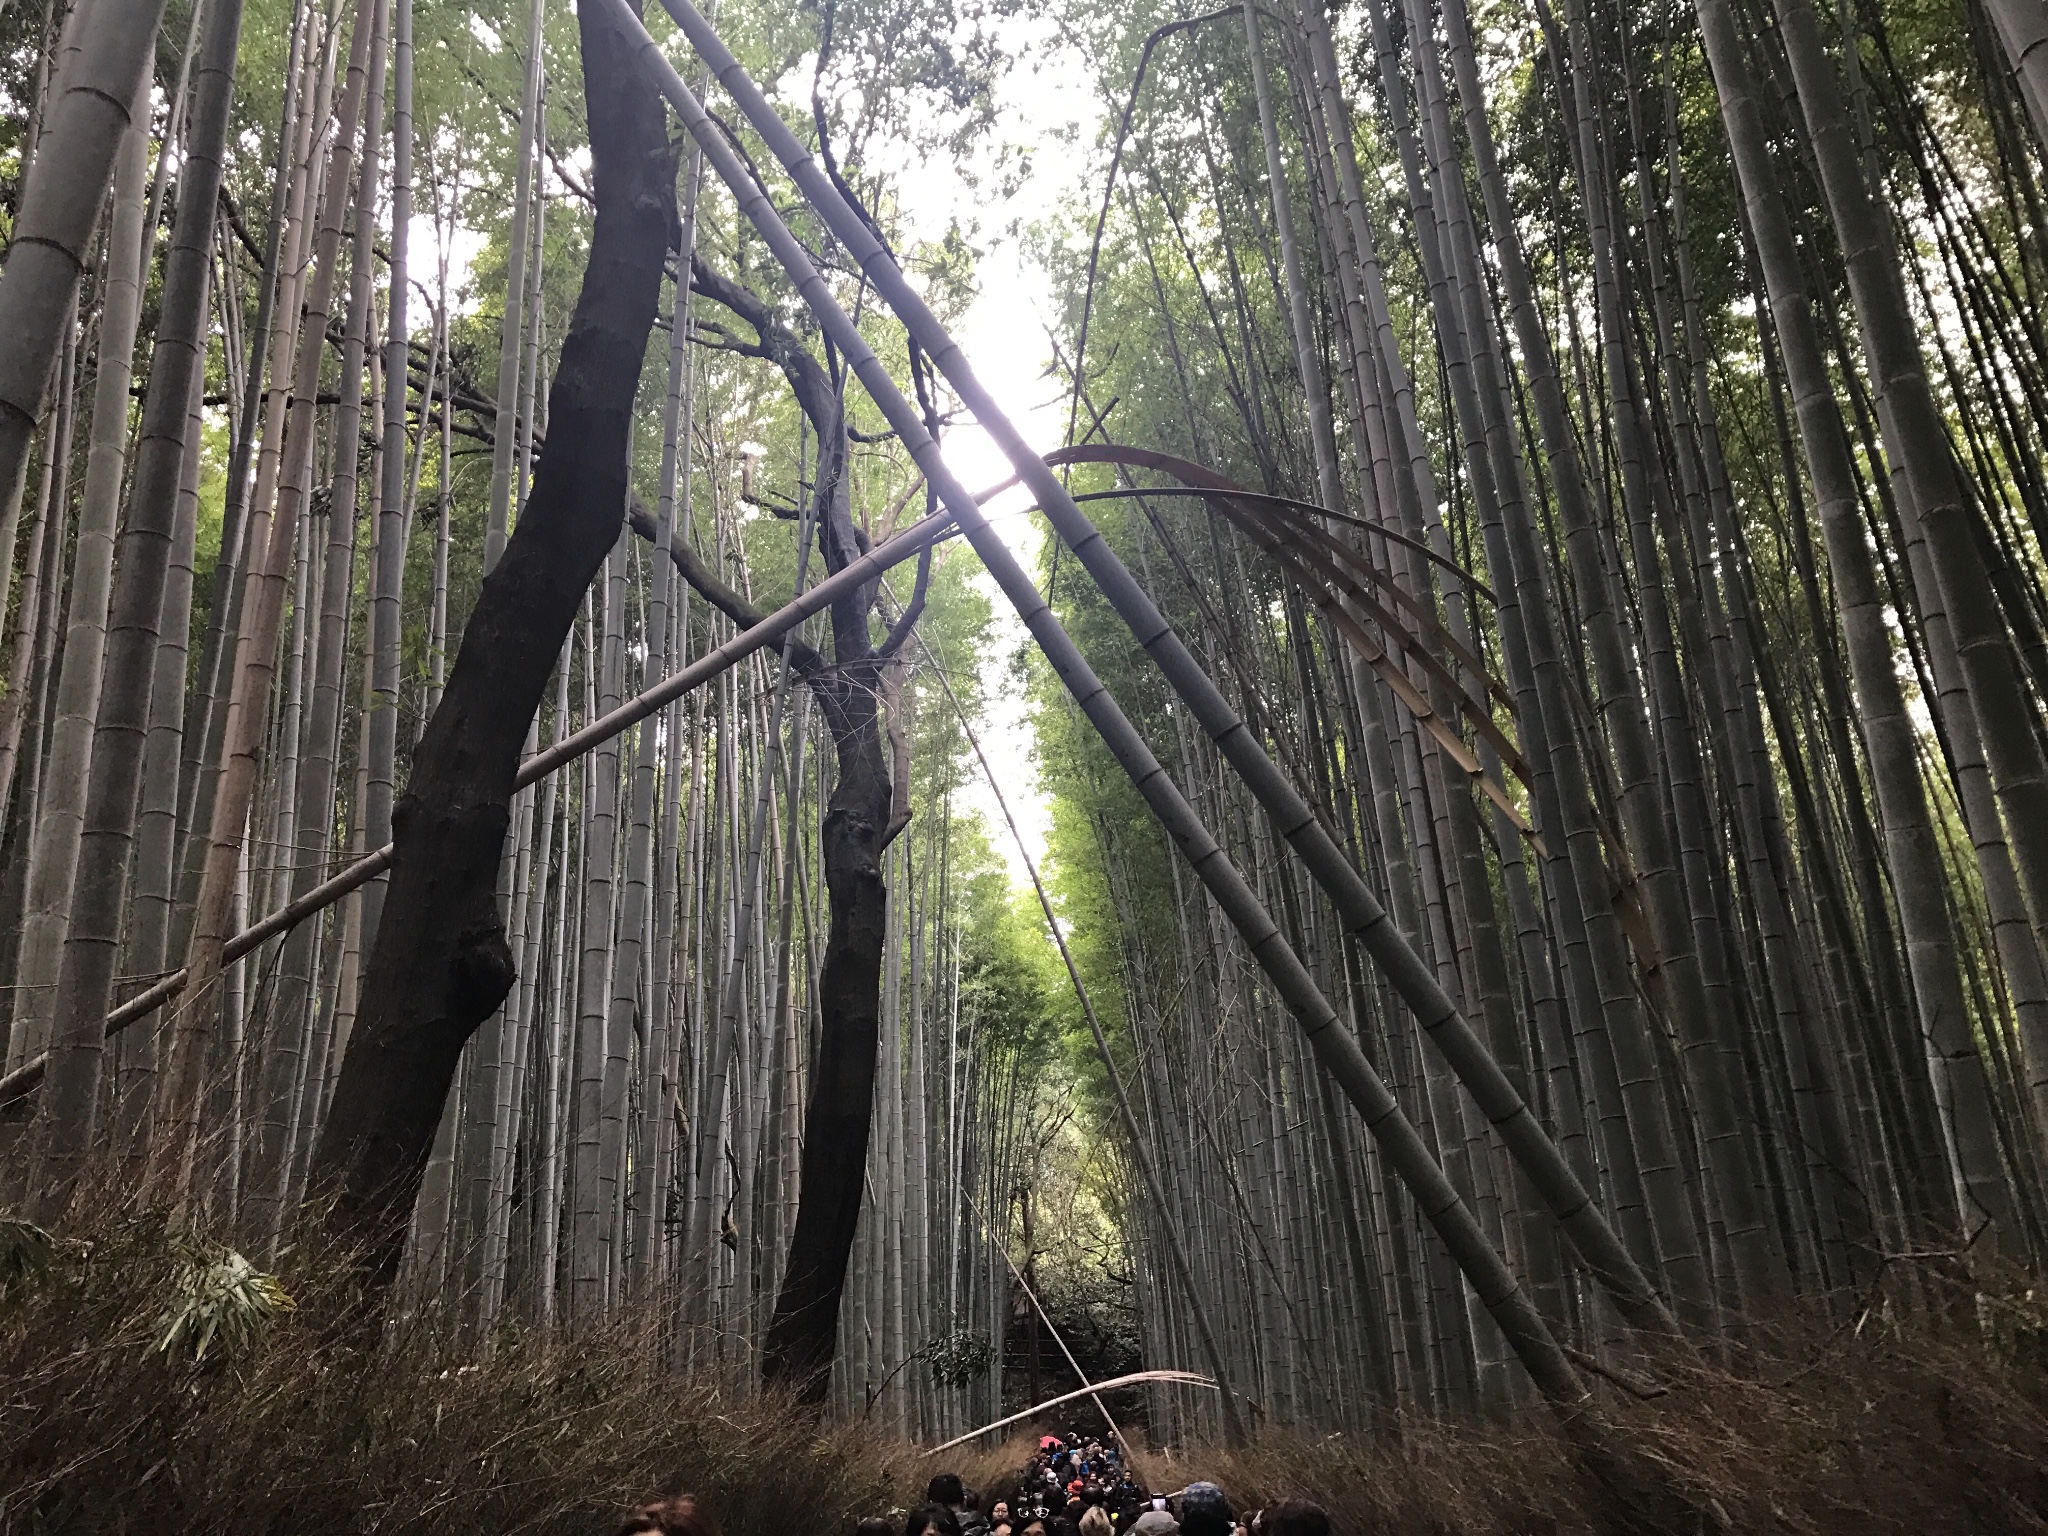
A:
x: 514, y: 326
x: 711, y: 664
x: 205, y: 710
x: 380, y: 727
x: 1335, y: 1046
x: 1300, y: 329
x: 548, y: 1149
x: 1176, y: 1248
x: 1434, y: 1010
x: 16, y: 703
x: 674, y: 505
x: 599, y: 1089
x: 2022, y: 27
x: 249, y: 501
x: 11, y: 491
x: 437, y: 610
x: 287, y: 1070
x: 155, y: 835
x: 262, y: 614
x: 637, y: 916
x: 24, y: 711
x: 174, y: 131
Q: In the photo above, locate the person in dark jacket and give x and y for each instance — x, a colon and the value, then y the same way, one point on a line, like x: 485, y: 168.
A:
x: 947, y: 1489
x: 1204, y: 1511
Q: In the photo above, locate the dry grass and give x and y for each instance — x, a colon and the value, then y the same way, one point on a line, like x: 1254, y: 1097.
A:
x: 990, y: 1467
x: 101, y: 1432
x: 1884, y: 1431
x: 1880, y: 1430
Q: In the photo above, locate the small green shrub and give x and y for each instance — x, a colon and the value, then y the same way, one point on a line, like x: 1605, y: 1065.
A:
x: 220, y: 1295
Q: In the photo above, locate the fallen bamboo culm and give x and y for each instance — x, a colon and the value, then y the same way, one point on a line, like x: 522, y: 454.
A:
x: 25, y: 1078
x: 1180, y: 1378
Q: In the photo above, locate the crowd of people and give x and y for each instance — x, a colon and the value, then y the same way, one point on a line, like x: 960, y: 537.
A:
x: 1084, y: 1488
x: 1070, y: 1487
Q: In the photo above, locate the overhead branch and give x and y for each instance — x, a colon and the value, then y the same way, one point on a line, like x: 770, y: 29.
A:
x: 803, y: 658
x: 567, y: 177
x: 899, y: 632
x: 778, y: 343
x: 819, y: 395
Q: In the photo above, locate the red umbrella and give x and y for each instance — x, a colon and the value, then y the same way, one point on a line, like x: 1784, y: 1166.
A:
x: 1048, y: 1442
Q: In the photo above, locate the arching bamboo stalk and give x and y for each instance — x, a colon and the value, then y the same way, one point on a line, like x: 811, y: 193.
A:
x: 795, y: 1350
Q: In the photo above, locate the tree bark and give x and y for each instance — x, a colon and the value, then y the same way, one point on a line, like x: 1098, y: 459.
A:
x: 858, y: 825
x: 439, y: 966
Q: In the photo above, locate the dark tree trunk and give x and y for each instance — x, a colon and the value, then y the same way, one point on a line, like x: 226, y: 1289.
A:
x: 802, y: 1333
x: 858, y: 826
x: 440, y: 964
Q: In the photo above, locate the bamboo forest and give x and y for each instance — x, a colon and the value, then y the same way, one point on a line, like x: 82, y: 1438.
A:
x: 984, y: 767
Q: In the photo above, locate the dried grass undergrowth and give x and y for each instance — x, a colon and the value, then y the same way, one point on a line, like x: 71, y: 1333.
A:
x: 102, y: 1432
x: 1821, y: 1431
x: 1881, y: 1430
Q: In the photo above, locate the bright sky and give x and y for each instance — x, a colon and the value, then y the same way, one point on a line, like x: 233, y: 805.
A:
x: 1003, y: 334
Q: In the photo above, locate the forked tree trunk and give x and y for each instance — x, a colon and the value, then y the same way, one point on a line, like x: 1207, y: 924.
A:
x: 805, y: 1324
x: 394, y: 519
x: 857, y: 827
